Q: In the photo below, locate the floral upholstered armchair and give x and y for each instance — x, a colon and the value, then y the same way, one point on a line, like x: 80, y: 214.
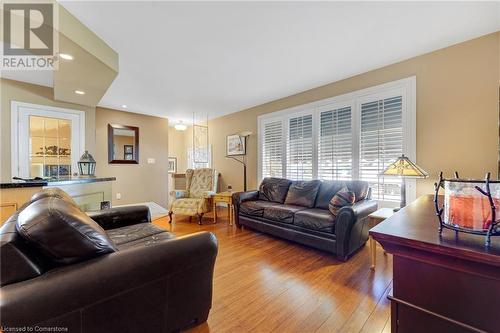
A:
x: 201, y: 185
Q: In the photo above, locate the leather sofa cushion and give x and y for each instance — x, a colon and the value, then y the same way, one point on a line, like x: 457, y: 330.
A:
x: 281, y: 213
x: 303, y: 193
x: 326, y: 191
x: 329, y: 188
x: 315, y: 219
x: 53, y: 192
x: 146, y: 241
x: 62, y: 231
x: 131, y: 233
x: 274, y: 189
x: 255, y: 207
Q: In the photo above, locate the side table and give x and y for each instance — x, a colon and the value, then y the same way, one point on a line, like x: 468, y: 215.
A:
x: 227, y: 198
x: 374, y: 219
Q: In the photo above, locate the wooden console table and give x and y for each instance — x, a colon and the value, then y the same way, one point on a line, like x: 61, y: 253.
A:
x: 441, y: 284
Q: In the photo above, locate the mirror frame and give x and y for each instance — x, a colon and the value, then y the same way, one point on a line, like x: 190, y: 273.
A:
x: 111, y: 159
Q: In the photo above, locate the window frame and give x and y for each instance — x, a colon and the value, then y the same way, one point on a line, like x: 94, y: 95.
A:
x: 404, y: 87
x: 20, y: 113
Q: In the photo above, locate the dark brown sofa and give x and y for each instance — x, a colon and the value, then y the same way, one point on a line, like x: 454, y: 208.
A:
x: 151, y: 282
x: 298, y: 211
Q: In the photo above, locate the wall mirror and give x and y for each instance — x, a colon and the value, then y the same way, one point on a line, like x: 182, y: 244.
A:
x: 123, y: 144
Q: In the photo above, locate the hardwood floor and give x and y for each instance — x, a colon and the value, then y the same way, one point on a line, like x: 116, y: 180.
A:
x: 264, y: 284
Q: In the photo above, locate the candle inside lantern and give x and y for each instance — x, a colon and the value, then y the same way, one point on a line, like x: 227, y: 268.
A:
x: 467, y: 208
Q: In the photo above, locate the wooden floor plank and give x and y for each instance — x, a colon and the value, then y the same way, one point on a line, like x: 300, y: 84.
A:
x: 265, y: 284
x: 380, y: 315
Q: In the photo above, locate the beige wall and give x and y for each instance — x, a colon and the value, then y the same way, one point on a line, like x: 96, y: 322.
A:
x: 457, y: 112
x: 136, y: 182
x: 177, y: 147
x: 29, y: 93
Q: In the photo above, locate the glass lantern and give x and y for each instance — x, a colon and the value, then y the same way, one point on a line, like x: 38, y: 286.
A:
x: 470, y: 206
x: 86, y: 165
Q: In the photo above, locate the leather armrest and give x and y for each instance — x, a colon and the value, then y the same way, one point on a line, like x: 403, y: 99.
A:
x: 121, y: 216
x: 350, y: 226
x: 240, y: 197
x: 364, y: 208
x: 185, y: 262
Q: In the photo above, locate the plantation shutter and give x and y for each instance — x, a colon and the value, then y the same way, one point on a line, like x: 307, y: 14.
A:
x: 300, y: 148
x: 381, y: 143
x: 335, y: 145
x: 272, y: 149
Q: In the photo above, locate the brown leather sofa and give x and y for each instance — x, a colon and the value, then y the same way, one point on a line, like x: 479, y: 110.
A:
x: 139, y: 278
x: 298, y: 211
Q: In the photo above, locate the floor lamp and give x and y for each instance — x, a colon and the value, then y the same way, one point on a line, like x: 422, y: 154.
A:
x: 243, y: 136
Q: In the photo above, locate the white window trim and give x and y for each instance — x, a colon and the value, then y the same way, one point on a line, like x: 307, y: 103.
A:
x: 406, y: 86
x: 44, y: 111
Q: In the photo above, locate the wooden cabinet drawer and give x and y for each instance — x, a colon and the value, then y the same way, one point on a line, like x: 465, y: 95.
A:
x: 222, y: 199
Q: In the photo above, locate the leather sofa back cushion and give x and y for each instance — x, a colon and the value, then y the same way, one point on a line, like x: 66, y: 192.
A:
x: 326, y: 191
x: 359, y: 187
x: 53, y: 192
x: 274, y: 189
x: 303, y: 193
x: 22, y: 264
x: 62, y: 231
x: 329, y: 188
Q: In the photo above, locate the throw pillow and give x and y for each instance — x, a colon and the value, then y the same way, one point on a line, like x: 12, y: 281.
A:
x: 342, y: 198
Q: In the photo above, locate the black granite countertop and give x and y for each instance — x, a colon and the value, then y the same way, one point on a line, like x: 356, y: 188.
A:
x: 55, y: 182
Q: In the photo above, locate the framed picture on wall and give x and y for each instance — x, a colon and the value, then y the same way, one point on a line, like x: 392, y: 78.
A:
x: 172, y: 165
x: 235, y: 145
x: 128, y: 149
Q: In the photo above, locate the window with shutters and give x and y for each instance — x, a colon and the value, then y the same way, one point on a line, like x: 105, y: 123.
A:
x: 272, y: 149
x: 353, y: 136
x: 299, y: 150
x: 381, y: 142
x: 335, y: 144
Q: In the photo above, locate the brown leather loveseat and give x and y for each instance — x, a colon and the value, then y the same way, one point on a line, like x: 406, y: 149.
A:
x: 63, y: 271
x: 298, y: 211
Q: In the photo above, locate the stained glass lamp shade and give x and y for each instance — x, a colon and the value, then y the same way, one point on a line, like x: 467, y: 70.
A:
x: 404, y: 168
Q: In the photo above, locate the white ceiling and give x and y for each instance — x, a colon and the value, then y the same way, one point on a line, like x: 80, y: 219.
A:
x: 222, y: 57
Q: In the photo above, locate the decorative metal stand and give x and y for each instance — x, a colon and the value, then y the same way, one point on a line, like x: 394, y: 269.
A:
x: 494, y: 227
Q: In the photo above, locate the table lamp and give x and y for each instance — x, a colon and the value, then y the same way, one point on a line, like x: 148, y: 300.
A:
x: 404, y: 168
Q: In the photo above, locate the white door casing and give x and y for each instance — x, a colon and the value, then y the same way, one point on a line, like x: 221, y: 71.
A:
x: 20, y: 113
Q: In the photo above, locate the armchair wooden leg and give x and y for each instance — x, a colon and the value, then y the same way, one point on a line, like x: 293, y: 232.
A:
x: 200, y: 217
x: 170, y: 216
